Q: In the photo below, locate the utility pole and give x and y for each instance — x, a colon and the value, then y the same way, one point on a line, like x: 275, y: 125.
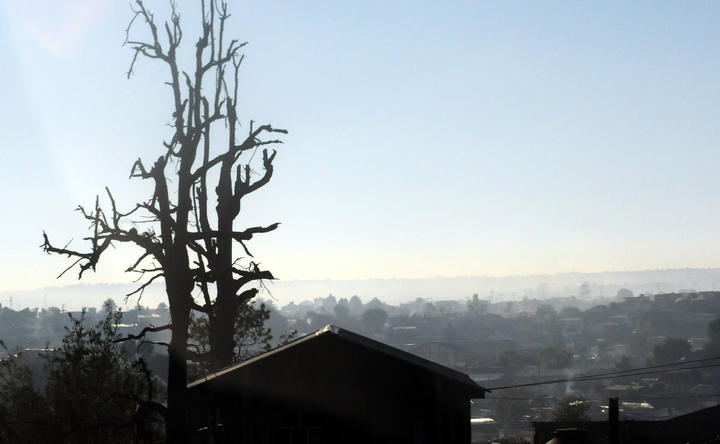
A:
x: 614, y: 422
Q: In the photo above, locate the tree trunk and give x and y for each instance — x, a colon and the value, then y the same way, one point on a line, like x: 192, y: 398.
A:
x: 222, y: 338
x: 222, y: 330
x: 176, y: 422
x: 175, y: 425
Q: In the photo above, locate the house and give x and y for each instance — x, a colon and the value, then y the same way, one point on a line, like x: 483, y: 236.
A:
x: 333, y: 386
x: 700, y: 426
x: 666, y: 300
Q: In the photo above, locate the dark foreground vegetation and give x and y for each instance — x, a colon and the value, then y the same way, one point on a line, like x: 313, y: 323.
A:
x: 85, y: 390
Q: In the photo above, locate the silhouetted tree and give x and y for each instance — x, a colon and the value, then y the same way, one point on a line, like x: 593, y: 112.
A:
x: 341, y: 310
x: 317, y: 320
x: 374, y: 320
x: 252, y: 336
x: 22, y: 406
x: 624, y: 293
x: 93, y: 392
x: 429, y: 309
x: 180, y: 241
x: 328, y: 304
x: 585, y: 291
x: 355, y: 305
x: 476, y: 306
x: 93, y: 389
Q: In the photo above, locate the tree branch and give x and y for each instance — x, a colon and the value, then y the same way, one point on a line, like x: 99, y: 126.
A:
x: 244, y: 235
x: 142, y: 288
x: 143, y: 332
x: 249, y: 143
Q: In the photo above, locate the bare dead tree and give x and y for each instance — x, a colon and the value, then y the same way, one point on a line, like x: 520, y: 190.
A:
x: 183, y: 244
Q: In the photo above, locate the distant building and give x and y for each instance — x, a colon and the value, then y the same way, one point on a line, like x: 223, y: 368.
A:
x: 666, y: 300
x: 637, y: 303
x: 333, y: 386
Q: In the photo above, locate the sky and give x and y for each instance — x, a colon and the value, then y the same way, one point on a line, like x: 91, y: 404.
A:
x: 425, y: 138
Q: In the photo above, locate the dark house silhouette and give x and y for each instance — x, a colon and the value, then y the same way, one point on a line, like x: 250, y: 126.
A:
x: 700, y: 426
x: 333, y: 386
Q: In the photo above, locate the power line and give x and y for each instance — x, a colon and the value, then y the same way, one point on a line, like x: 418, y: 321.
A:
x: 652, y: 372
x: 713, y: 395
x: 649, y: 367
x: 647, y: 398
x: 598, y: 378
x: 640, y: 371
x: 621, y: 372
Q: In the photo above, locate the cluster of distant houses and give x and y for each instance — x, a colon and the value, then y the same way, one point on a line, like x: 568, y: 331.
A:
x: 337, y: 386
x: 333, y: 385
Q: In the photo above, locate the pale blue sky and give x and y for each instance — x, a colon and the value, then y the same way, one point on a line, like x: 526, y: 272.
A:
x: 426, y: 138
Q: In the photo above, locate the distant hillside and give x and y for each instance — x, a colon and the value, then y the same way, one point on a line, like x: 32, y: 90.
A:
x: 395, y: 291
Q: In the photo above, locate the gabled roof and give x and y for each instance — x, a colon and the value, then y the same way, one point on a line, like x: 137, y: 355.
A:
x: 462, y: 378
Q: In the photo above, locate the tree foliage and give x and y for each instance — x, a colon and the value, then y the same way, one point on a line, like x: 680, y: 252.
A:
x: 374, y: 320
x: 624, y: 293
x: 252, y: 336
x: 341, y: 310
x: 22, y: 406
x: 93, y: 389
x: 476, y: 306
x: 93, y: 392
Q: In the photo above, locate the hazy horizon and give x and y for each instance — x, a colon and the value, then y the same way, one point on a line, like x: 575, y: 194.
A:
x: 400, y: 290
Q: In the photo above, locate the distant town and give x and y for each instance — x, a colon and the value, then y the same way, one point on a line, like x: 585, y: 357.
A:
x: 512, y: 346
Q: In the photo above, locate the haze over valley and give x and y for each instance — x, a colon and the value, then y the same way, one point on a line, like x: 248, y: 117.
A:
x: 395, y: 291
